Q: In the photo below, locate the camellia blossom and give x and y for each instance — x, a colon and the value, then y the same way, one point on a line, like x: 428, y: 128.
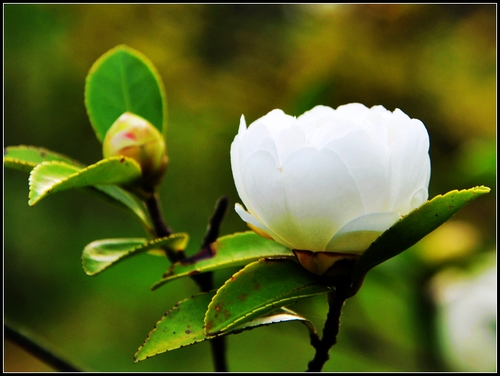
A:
x: 330, y: 180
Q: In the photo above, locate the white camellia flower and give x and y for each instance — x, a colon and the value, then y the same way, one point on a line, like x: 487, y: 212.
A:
x: 330, y: 180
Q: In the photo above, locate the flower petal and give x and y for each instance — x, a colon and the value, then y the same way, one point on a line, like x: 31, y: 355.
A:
x: 319, y: 197
x: 410, y: 165
x: 257, y: 226
x: 369, y: 167
x: 357, y: 235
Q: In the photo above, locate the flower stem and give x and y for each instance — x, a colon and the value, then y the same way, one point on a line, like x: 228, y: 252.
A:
x: 154, y: 210
x: 160, y: 226
x: 336, y: 301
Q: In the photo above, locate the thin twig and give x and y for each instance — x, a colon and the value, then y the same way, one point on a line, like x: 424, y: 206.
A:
x: 336, y: 301
x: 204, y: 280
x: 38, y: 351
x: 161, y: 228
x: 154, y: 210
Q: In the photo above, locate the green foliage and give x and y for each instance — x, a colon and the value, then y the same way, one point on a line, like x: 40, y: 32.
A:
x: 55, y: 176
x: 257, y: 289
x: 24, y: 158
x: 409, y: 230
x: 101, y: 254
x: 229, y: 251
x: 124, y: 80
x: 183, y: 326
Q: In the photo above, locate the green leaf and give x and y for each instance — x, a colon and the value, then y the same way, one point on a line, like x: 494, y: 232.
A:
x: 25, y: 158
x: 55, y: 176
x: 183, y: 326
x: 409, y: 230
x: 259, y: 288
x: 122, y: 80
x: 230, y: 250
x: 101, y: 254
x: 117, y: 195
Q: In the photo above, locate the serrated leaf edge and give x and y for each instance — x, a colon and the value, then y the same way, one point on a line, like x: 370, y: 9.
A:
x: 40, y: 149
x: 147, y: 246
x: 173, y: 277
x: 474, y: 190
x: 208, y: 337
x: 95, y: 165
x: 229, y: 280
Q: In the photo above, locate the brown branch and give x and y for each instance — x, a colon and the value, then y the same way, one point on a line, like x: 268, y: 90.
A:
x: 336, y: 301
x: 204, y: 280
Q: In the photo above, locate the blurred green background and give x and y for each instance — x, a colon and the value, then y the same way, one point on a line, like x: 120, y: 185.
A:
x: 435, y: 62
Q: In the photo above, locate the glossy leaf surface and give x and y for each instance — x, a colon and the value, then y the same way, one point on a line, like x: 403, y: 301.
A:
x: 259, y: 288
x: 183, y: 326
x: 414, y: 227
x: 230, y: 250
x: 124, y: 80
x: 55, y: 176
x: 25, y: 158
x: 101, y: 254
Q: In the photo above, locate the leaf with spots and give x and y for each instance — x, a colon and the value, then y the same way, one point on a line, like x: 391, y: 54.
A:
x: 409, y: 230
x: 258, y: 289
x: 101, y: 254
x: 55, y: 176
x: 228, y: 251
x: 183, y: 326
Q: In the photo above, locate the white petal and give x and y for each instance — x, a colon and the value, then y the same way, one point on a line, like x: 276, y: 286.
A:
x: 357, y: 113
x: 410, y: 164
x: 249, y: 218
x: 419, y: 198
x: 315, y: 118
x: 369, y: 166
x: 319, y: 197
x: 243, y: 126
x: 275, y: 121
x: 288, y: 140
x: 323, y: 124
x: 263, y: 194
x: 252, y: 139
x: 333, y: 129
x: 269, y: 144
x: 357, y: 235
x: 236, y: 162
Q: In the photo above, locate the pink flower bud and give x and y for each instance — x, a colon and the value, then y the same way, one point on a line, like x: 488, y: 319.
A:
x: 134, y: 137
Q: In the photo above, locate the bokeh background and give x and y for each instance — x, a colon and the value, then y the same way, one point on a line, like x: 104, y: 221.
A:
x: 432, y: 308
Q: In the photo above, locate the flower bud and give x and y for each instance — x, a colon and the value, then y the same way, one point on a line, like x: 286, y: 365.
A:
x: 330, y: 180
x: 134, y: 137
